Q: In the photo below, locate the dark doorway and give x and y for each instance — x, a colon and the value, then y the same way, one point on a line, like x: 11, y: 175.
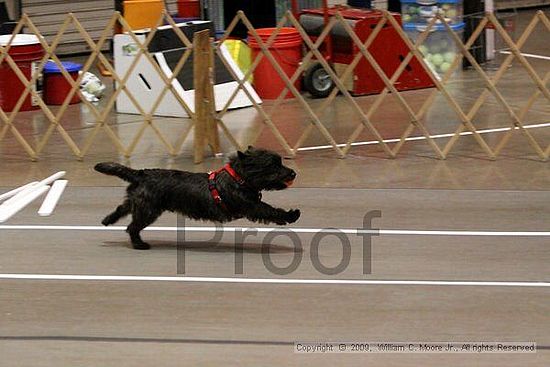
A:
x: 260, y: 13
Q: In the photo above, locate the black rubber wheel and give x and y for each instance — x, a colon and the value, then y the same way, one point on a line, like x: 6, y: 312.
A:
x: 317, y: 81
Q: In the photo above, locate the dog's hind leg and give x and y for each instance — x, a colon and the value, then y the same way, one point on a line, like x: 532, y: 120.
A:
x: 121, y: 211
x: 140, y: 220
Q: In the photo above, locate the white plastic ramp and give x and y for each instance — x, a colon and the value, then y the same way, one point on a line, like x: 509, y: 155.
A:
x: 15, y: 191
x: 32, y: 186
x: 17, y: 199
x: 8, y: 211
x: 51, y: 200
x: 21, y: 194
x: 52, y: 178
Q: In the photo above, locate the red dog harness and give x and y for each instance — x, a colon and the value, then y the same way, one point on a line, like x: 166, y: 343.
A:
x: 212, y: 182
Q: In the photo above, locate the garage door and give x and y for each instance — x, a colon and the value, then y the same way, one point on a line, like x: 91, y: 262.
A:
x: 48, y: 15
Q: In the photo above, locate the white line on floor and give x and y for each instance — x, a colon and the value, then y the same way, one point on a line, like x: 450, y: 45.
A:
x: 352, y: 231
x: 127, y: 278
x: 414, y: 138
x: 528, y: 55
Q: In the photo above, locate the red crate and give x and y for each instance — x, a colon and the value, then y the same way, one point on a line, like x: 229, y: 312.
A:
x: 388, y: 49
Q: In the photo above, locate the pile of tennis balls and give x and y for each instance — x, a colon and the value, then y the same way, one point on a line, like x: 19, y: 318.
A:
x: 414, y: 12
x: 437, y: 52
x: 438, y: 49
x: 410, y: 12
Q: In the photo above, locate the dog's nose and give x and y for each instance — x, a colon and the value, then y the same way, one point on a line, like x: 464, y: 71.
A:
x: 292, y: 175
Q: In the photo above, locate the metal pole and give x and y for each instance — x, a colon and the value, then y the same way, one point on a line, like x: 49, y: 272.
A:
x: 490, y: 33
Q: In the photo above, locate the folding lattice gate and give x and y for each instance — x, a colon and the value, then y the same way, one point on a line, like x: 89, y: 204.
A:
x: 415, y: 118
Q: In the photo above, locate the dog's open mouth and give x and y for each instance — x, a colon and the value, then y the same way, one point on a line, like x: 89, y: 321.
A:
x: 289, y: 183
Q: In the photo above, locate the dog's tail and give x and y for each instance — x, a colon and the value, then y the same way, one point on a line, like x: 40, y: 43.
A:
x: 116, y: 169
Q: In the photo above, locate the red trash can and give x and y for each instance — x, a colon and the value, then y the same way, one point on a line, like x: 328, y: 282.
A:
x: 287, y: 51
x: 26, y: 51
x: 56, y: 87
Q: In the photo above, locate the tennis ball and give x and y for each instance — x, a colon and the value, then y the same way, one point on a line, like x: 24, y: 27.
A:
x: 449, y: 56
x: 437, y: 59
x: 406, y: 18
x: 423, y: 49
x: 451, y: 13
x: 445, y: 66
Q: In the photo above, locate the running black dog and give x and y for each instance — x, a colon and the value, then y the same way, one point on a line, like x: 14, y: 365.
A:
x: 230, y: 193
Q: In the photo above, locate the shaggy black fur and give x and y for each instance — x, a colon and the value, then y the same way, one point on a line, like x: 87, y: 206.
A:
x: 153, y: 191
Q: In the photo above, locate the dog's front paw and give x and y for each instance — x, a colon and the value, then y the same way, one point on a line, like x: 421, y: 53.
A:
x: 141, y: 246
x: 280, y: 221
x: 292, y: 215
x: 108, y: 220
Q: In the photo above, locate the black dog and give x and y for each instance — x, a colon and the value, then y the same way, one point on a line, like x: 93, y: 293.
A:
x: 229, y: 193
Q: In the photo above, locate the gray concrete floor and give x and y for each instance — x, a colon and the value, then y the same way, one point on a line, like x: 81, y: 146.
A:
x: 132, y: 323
x: 122, y: 323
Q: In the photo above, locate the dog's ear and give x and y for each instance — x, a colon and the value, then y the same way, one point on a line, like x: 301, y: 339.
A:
x: 251, y: 149
x: 240, y: 154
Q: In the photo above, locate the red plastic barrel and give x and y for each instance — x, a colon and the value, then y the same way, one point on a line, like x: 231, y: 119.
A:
x: 26, y: 51
x: 56, y: 87
x: 287, y: 51
x: 189, y: 8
